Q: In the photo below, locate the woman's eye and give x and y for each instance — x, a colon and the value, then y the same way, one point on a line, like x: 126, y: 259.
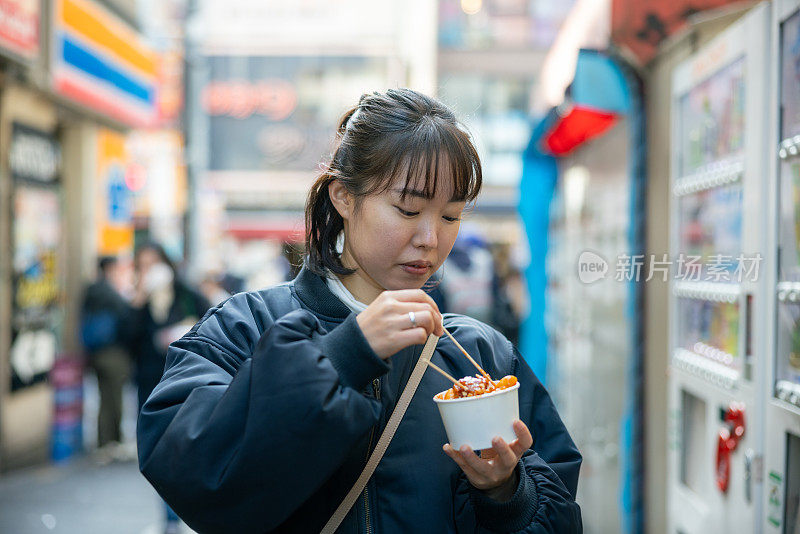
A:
x: 407, y: 213
x: 451, y: 219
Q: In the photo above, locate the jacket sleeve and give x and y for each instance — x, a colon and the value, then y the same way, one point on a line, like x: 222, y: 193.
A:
x: 544, y: 501
x: 232, y: 443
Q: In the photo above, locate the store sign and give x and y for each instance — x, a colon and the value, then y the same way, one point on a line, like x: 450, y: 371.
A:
x: 257, y: 120
x: 33, y: 354
x: 170, y: 87
x: 642, y: 26
x: 37, y: 287
x: 19, y: 27
x: 274, y: 99
x: 119, y: 203
x: 36, y: 281
x: 34, y: 161
x: 33, y: 155
x: 102, y: 64
x: 114, y: 219
x: 156, y: 178
x: 37, y: 231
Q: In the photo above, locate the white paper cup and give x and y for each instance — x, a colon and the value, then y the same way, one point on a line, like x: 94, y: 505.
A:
x: 475, y: 421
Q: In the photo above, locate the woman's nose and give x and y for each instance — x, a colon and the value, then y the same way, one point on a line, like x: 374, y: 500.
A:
x: 425, y: 236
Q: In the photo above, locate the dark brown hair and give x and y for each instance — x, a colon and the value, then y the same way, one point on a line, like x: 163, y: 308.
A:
x: 388, y: 135
x: 159, y: 251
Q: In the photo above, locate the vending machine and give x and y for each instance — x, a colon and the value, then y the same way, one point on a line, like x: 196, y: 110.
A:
x: 781, y: 499
x: 718, y: 296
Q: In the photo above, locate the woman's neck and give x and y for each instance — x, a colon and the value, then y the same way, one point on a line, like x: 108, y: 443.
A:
x: 359, y: 284
x: 362, y: 290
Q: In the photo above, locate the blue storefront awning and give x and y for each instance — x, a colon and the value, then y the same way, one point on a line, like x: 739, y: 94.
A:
x: 597, y: 97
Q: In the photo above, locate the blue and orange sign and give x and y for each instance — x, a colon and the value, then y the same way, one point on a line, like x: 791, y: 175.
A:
x: 103, y: 64
x: 113, y: 201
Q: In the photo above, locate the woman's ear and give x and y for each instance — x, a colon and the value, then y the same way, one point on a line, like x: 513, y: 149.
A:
x: 341, y: 199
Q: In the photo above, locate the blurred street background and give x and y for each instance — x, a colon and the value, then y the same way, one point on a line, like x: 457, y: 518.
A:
x: 637, y: 235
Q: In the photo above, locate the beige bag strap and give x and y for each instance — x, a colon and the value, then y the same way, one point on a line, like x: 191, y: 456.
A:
x: 387, y: 435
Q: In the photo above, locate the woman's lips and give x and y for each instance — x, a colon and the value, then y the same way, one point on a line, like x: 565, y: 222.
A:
x: 417, y: 269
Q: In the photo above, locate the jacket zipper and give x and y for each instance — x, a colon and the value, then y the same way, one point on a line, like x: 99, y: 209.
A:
x: 376, y: 387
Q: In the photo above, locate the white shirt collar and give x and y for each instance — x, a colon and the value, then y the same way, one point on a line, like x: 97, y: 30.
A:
x: 342, y: 293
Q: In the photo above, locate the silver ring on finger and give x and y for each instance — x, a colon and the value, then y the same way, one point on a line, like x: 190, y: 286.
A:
x: 413, y: 318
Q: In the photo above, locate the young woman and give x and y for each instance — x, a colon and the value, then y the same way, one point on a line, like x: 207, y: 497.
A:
x: 270, y: 406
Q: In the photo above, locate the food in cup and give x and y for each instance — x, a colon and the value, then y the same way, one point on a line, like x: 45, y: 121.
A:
x: 478, y: 409
x: 474, y: 386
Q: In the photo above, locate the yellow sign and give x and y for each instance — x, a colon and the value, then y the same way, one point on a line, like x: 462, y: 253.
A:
x: 40, y: 291
x: 113, y: 202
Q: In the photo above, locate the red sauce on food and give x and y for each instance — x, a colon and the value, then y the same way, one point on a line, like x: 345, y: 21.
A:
x: 474, y: 386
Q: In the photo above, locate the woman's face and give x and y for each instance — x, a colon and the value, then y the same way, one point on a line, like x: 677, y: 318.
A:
x: 395, y: 243
x: 153, y: 273
x: 147, y: 258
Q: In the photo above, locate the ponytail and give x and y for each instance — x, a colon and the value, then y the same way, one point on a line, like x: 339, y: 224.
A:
x: 323, y: 222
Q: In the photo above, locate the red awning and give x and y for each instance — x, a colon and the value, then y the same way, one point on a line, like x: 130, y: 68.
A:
x: 580, y: 124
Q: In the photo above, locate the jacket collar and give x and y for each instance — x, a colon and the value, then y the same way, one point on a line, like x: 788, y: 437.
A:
x: 314, y: 293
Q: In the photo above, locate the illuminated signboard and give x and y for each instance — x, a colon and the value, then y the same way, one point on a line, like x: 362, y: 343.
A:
x: 19, y: 27
x: 102, y: 64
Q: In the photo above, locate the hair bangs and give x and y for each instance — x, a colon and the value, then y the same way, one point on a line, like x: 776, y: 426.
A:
x: 397, y: 139
x: 422, y: 160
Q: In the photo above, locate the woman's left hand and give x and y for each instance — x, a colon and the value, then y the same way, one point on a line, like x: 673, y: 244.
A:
x: 495, y: 470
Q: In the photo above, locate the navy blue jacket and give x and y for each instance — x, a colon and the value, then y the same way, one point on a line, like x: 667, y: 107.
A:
x: 270, y: 405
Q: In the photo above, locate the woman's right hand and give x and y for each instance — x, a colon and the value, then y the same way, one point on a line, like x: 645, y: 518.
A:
x: 387, y: 325
x: 140, y: 295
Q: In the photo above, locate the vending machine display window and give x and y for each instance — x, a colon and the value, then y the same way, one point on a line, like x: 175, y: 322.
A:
x: 712, y: 121
x: 710, y: 329
x: 711, y: 230
x: 787, y: 368
x: 790, y: 220
x: 790, y: 77
x: 789, y: 342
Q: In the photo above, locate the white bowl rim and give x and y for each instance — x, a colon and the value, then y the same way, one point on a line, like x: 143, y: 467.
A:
x: 478, y: 397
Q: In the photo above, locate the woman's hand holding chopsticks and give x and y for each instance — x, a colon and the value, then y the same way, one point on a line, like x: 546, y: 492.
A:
x: 398, y: 319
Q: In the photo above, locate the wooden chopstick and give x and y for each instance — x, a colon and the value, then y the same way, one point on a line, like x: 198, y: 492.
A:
x: 446, y: 375
x: 484, y: 373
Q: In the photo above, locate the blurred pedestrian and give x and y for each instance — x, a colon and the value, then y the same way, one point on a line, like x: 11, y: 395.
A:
x: 231, y: 283
x: 467, y: 278
x: 165, y: 309
x: 212, y: 289
x: 106, y: 335
x: 508, y: 294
